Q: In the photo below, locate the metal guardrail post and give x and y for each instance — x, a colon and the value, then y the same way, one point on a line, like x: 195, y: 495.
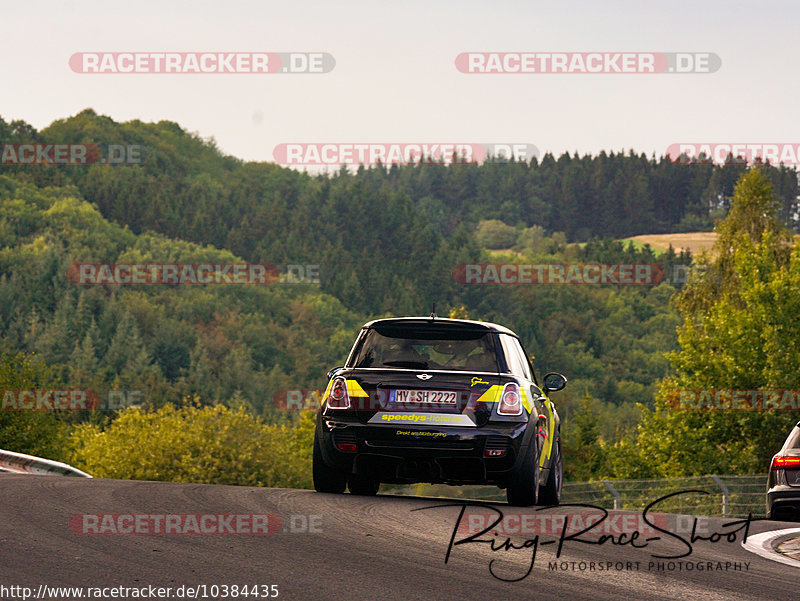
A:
x: 613, y: 491
x: 725, y: 493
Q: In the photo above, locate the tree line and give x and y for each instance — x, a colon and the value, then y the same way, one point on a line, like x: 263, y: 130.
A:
x: 387, y: 240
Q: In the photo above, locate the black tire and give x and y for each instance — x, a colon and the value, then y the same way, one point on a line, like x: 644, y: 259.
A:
x: 326, y: 478
x: 523, y: 485
x: 361, y: 485
x: 550, y: 493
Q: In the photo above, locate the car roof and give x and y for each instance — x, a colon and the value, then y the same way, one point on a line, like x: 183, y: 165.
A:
x: 439, y: 321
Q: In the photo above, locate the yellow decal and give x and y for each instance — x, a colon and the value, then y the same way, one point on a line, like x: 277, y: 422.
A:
x: 492, y: 395
x: 327, y: 392
x: 525, y: 400
x: 354, y: 389
x: 477, y: 380
x: 421, y: 433
x: 551, y: 423
x: 413, y: 417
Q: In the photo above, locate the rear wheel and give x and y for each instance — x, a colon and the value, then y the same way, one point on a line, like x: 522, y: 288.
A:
x: 550, y: 493
x: 326, y: 478
x: 362, y: 485
x: 524, y: 482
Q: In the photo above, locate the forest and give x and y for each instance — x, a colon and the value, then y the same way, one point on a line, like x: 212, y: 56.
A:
x: 204, y: 365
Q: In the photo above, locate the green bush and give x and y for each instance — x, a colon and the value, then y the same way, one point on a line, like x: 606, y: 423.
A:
x: 212, y: 445
x: 494, y: 234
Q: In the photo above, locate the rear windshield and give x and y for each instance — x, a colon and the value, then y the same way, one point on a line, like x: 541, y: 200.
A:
x: 422, y: 347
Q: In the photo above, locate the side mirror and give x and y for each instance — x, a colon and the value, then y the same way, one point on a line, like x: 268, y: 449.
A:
x: 333, y: 371
x: 554, y: 382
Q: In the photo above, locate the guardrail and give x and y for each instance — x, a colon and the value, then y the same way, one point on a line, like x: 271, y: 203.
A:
x: 726, y: 496
x: 19, y: 463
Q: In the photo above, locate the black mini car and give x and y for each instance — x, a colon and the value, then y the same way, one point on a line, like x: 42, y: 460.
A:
x: 441, y: 401
x: 783, y: 485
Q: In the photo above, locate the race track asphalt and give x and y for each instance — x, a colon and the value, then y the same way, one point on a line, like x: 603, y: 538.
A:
x: 345, y: 547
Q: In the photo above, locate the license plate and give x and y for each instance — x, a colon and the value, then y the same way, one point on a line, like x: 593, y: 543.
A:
x: 438, y: 397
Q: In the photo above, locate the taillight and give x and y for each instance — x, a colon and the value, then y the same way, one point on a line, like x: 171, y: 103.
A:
x: 510, y: 400
x: 338, y: 397
x: 785, y: 463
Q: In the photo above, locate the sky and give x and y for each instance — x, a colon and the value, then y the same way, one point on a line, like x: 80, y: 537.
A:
x: 395, y: 79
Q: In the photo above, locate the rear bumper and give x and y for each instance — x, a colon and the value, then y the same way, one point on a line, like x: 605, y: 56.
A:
x: 407, y: 454
x: 783, y: 503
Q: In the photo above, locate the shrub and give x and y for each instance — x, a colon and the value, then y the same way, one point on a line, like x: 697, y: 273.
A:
x: 211, y: 444
x: 494, y: 234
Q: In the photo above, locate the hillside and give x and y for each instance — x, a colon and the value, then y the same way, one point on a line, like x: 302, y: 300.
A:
x: 385, y: 241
